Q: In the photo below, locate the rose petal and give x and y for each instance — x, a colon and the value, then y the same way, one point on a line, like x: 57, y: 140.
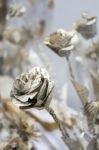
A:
x: 24, y: 98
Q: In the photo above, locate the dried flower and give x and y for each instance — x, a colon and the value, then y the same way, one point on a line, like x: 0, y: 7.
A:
x: 32, y: 89
x: 61, y: 42
x: 86, y: 26
x: 16, y: 35
x: 16, y: 11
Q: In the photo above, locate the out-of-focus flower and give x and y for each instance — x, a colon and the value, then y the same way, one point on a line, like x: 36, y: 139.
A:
x: 16, y: 11
x: 17, y: 36
x: 86, y: 26
x: 32, y: 89
x: 62, y: 42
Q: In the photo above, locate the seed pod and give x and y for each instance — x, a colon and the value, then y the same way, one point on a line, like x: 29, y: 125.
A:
x: 61, y: 42
x: 86, y: 26
x: 32, y: 89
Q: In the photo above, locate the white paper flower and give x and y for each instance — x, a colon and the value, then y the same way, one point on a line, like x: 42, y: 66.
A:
x: 62, y: 42
x: 32, y: 89
x: 86, y: 26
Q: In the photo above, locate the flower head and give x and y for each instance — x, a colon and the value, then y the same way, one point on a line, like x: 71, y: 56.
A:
x: 86, y: 26
x: 32, y: 89
x: 61, y: 42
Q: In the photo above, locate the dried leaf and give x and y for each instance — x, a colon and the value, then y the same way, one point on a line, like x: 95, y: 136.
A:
x: 82, y: 91
x: 86, y: 26
x: 50, y: 126
x: 73, y: 144
x: 95, y: 82
x: 92, y: 145
x: 91, y: 110
x: 16, y: 143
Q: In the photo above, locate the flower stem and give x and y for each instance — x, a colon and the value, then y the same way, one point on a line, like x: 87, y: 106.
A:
x: 61, y: 128
x: 94, y: 46
x: 70, y: 67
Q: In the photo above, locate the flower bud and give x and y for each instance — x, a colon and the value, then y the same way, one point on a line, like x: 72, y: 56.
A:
x: 86, y: 26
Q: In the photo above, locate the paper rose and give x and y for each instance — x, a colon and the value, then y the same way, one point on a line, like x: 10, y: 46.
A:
x: 32, y: 89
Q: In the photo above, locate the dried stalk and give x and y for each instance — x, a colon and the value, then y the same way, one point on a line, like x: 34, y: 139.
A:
x: 70, y: 67
x: 61, y: 128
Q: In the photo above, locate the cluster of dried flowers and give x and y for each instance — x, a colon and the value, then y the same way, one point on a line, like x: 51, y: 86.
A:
x: 65, y: 43
x: 37, y: 128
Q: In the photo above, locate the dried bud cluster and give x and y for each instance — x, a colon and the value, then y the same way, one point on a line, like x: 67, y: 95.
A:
x: 61, y: 42
x: 16, y: 10
x: 32, y: 89
x: 86, y: 26
x: 92, y: 110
